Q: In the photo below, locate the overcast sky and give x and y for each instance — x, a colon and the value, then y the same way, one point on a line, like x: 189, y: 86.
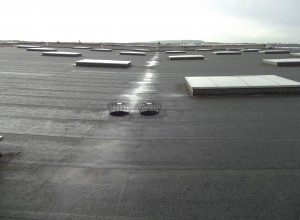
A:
x: 148, y: 20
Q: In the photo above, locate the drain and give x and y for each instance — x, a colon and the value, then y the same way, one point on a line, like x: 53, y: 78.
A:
x: 119, y: 108
x: 149, y: 108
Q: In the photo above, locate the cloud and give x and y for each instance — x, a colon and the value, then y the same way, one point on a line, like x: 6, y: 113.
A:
x: 136, y: 20
x: 276, y: 12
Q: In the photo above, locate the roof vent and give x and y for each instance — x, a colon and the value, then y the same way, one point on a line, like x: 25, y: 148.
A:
x: 119, y: 108
x: 149, y: 108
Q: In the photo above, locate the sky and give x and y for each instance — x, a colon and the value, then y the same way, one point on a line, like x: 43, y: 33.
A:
x: 228, y: 21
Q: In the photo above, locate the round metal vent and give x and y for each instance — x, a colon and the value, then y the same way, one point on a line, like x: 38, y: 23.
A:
x: 149, y: 108
x: 119, y: 108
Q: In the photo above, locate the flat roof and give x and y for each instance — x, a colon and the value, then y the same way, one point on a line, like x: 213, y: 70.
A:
x: 202, y: 157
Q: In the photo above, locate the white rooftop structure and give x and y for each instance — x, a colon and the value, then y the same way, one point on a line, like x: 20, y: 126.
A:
x: 186, y: 57
x: 234, y: 49
x: 42, y: 49
x: 61, y: 54
x: 142, y: 50
x: 250, y: 50
x: 27, y: 46
x: 283, y: 62
x: 241, y: 85
x: 176, y: 51
x: 101, y: 49
x: 274, y: 51
x: 295, y: 54
x: 103, y: 63
x: 81, y: 47
x: 204, y: 49
x: 132, y: 53
x: 227, y: 52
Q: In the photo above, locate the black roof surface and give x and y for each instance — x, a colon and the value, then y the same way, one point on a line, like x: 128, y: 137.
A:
x: 65, y: 157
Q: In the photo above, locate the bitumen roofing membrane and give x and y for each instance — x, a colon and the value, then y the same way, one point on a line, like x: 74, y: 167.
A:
x: 212, y: 157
